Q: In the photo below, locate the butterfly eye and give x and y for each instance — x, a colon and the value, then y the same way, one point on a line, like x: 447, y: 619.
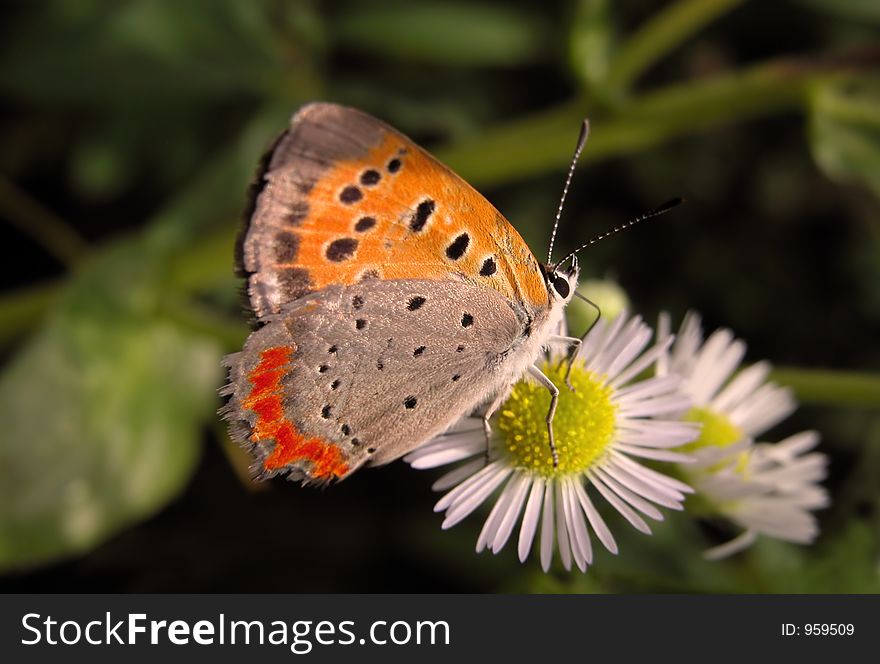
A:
x: 561, y: 286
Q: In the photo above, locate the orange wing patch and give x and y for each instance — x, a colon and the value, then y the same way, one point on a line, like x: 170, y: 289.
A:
x: 381, y: 208
x: 271, y: 424
x: 400, y: 214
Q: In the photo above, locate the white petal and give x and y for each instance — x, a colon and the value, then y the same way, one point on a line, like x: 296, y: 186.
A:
x: 740, y: 387
x: 654, y: 353
x: 633, y: 499
x: 713, y: 366
x: 765, y: 407
x: 443, y: 457
x: 637, y: 522
x: 626, y: 355
x: 650, y: 387
x: 617, y: 344
x: 513, y: 512
x: 664, y: 405
x: 499, y: 511
x: 663, y: 332
x: 659, y: 433
x: 469, y: 503
x: 737, y: 544
x: 596, y: 521
x: 658, y: 455
x: 687, y: 343
x: 592, y: 341
x: 530, y: 519
x: 561, y: 529
x: 457, y: 475
x: 577, y: 527
x: 791, y: 446
x: 468, y: 485
x: 662, y: 496
x: 547, y: 527
x: 650, y: 475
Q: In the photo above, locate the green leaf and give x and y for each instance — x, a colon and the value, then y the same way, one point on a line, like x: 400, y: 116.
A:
x: 444, y: 33
x: 143, y: 54
x: 591, y: 42
x: 845, y: 130
x: 102, y: 412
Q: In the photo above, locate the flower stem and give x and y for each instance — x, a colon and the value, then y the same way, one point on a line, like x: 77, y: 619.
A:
x: 831, y: 388
x: 664, y: 32
x: 45, y: 227
x: 542, y: 142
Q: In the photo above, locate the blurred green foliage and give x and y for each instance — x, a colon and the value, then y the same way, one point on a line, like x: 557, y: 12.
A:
x: 130, y: 131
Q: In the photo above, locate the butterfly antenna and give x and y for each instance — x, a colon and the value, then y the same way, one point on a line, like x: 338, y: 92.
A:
x: 656, y: 212
x: 582, y: 139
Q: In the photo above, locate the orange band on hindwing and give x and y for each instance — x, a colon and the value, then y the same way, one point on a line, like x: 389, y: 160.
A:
x: 265, y: 400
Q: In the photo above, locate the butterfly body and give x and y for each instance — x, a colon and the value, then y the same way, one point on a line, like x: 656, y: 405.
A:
x: 391, y: 297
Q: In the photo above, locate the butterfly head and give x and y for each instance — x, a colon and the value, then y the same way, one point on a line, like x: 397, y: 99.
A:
x: 561, y: 282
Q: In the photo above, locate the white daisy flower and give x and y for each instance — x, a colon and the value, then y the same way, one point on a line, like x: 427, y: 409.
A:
x: 610, y: 420
x: 763, y: 488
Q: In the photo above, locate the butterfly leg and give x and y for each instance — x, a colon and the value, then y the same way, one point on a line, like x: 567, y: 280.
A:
x: 574, y: 345
x: 538, y: 375
x: 487, y: 415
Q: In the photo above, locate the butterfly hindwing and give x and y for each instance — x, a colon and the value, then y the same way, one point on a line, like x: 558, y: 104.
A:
x: 365, y: 373
x: 344, y: 198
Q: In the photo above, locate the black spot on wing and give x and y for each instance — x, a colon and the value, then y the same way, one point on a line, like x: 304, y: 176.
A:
x: 350, y: 194
x: 458, y: 247
x: 293, y: 282
x: 370, y: 177
x: 341, y: 249
x: 286, y: 246
x: 420, y: 217
x: 364, y: 224
x: 297, y: 213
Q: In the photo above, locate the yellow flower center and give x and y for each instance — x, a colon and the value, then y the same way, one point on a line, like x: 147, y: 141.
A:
x: 583, y: 426
x: 717, y: 430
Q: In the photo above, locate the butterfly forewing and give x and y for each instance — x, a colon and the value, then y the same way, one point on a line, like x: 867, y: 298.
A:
x: 344, y: 198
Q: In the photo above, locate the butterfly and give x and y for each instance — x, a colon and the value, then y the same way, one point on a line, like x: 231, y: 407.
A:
x: 391, y: 300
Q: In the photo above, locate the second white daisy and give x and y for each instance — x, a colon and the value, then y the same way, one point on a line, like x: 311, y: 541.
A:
x: 763, y: 488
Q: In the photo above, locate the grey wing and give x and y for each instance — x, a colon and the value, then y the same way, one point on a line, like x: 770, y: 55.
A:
x: 381, y: 367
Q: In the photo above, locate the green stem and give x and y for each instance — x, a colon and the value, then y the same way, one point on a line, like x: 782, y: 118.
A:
x: 49, y: 230
x: 544, y: 141
x: 21, y: 309
x: 198, y: 319
x: 831, y: 388
x: 664, y: 32
x: 848, y: 108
